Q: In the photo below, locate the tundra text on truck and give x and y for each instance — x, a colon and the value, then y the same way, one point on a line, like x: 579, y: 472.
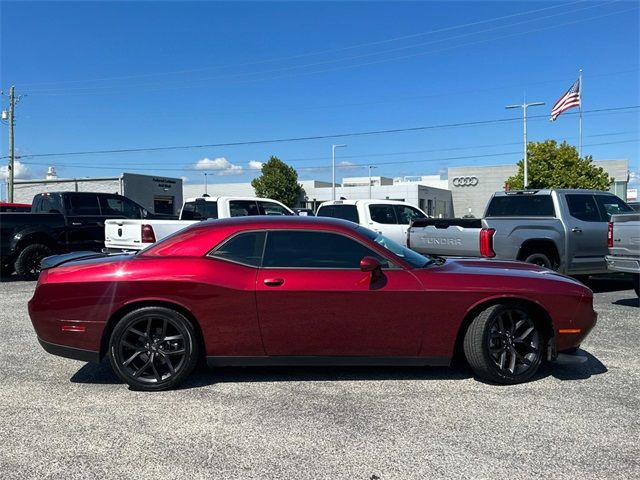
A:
x: 564, y: 230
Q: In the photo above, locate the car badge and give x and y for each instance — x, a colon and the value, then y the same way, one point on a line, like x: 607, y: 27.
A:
x: 119, y: 232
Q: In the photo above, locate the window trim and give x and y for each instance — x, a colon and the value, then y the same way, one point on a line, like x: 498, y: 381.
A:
x: 393, y: 265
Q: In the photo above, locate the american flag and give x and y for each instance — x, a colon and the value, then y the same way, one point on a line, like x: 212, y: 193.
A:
x: 568, y: 100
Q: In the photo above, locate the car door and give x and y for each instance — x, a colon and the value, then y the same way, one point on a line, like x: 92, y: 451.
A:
x: 85, y: 222
x: 313, y: 299
x: 587, y: 234
x: 383, y: 219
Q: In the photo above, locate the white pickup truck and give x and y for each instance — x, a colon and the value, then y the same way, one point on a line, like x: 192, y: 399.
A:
x: 391, y: 218
x: 123, y: 235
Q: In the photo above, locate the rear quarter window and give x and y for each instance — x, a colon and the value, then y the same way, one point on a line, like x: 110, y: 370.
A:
x: 521, y: 206
x: 345, y: 212
x: 199, y: 210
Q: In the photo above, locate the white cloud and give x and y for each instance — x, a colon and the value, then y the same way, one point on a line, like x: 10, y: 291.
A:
x: 184, y: 179
x: 348, y: 166
x: 19, y: 171
x: 220, y: 165
x: 255, y: 165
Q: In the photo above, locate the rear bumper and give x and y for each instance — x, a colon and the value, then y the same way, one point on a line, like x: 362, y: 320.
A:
x: 70, y: 352
x: 623, y: 264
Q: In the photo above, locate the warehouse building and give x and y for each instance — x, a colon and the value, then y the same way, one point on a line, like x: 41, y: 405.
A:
x: 160, y: 195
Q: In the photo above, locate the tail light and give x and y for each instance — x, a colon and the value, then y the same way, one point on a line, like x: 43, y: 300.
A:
x: 610, y: 235
x: 148, y: 235
x: 486, y: 242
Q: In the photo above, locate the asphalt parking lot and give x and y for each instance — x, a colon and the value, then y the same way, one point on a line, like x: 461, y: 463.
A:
x: 64, y: 419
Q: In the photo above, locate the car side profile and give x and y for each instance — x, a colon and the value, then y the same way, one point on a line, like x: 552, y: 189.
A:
x: 302, y: 291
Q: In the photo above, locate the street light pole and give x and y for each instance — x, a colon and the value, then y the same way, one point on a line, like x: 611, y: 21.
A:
x: 333, y: 170
x: 205, y: 183
x: 524, y: 107
x: 370, y: 167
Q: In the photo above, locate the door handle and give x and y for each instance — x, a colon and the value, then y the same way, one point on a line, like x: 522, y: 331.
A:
x: 273, y: 282
x: 76, y: 224
x: 576, y: 230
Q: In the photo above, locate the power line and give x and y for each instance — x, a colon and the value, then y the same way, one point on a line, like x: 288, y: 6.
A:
x: 314, y: 137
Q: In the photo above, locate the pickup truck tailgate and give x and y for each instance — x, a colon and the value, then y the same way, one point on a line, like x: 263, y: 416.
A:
x: 123, y: 233
x: 447, y: 237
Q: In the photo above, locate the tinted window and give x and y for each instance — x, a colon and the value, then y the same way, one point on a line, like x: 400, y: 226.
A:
x: 243, y: 208
x: 84, y: 205
x: 199, y: 210
x: 583, y: 207
x: 611, y: 205
x: 345, y: 212
x: 119, y: 206
x: 525, y: 205
x: 48, y: 204
x: 407, y: 214
x: 383, y: 214
x: 303, y: 249
x: 270, y: 208
x: 245, y: 248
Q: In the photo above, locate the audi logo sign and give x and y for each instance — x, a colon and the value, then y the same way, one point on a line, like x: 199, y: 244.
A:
x: 465, y: 181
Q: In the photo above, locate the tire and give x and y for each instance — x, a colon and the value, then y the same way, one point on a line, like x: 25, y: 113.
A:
x: 636, y: 284
x: 27, y: 264
x: 504, y: 344
x: 153, y: 348
x: 539, y: 259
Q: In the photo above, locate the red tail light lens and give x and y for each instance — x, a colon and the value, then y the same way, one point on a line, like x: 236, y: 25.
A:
x: 610, y: 235
x: 486, y: 242
x: 148, y: 235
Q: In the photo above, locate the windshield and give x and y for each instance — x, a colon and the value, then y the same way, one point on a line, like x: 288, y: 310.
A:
x: 413, y: 258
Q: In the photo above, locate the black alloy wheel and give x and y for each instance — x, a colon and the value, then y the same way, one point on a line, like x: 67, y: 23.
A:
x: 504, y: 344
x: 27, y: 265
x: 153, y: 348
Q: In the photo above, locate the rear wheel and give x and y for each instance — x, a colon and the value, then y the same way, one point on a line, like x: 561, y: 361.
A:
x: 27, y: 264
x: 504, y: 344
x: 539, y: 259
x: 153, y: 348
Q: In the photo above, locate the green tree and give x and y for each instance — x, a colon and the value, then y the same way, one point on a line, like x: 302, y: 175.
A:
x: 278, y: 181
x: 559, y: 166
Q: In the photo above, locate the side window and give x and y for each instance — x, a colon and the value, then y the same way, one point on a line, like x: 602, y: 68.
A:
x: 270, y: 208
x: 407, y: 214
x: 583, y: 207
x: 199, y: 210
x: 345, y: 212
x: 49, y: 204
x: 385, y: 214
x: 119, y: 206
x: 243, y: 208
x: 305, y: 249
x: 84, y: 205
x: 611, y: 205
x: 245, y: 248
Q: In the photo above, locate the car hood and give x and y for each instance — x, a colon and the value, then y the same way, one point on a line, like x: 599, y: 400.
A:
x: 499, y: 268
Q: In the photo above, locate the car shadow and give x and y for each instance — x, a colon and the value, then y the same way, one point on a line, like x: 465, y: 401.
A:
x: 628, y: 302
x: 102, y: 374
x: 608, y: 283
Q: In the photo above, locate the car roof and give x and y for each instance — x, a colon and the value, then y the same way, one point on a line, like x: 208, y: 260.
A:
x: 199, y: 238
x: 215, y: 199
x: 548, y: 191
x: 364, y: 201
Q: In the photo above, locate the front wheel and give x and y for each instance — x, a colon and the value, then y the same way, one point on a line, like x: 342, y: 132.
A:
x: 504, y: 344
x: 27, y: 264
x: 153, y: 348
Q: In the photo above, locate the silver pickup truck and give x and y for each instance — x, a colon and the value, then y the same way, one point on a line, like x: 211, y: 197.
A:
x: 623, y: 240
x: 564, y: 230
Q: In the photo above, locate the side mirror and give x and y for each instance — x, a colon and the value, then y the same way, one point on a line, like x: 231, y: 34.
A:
x: 369, y: 264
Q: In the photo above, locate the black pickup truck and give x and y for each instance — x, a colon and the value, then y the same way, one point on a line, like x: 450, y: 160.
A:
x: 59, y: 222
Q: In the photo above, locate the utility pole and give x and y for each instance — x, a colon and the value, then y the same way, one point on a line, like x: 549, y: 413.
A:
x: 370, y: 167
x: 524, y: 107
x: 333, y: 170
x: 12, y: 103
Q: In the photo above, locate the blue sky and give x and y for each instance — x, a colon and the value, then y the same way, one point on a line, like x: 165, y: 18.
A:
x: 104, y: 76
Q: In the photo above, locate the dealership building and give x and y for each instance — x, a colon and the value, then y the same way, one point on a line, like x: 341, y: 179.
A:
x: 465, y: 191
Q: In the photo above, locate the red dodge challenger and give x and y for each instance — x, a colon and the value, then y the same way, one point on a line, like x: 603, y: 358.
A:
x: 302, y: 291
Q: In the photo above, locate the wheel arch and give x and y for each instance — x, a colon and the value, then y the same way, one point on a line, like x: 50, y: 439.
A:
x: 539, y: 312
x: 19, y: 243
x: 130, y: 307
x: 540, y: 245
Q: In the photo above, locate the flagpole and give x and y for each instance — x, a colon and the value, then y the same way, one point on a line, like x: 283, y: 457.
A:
x: 581, y: 113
